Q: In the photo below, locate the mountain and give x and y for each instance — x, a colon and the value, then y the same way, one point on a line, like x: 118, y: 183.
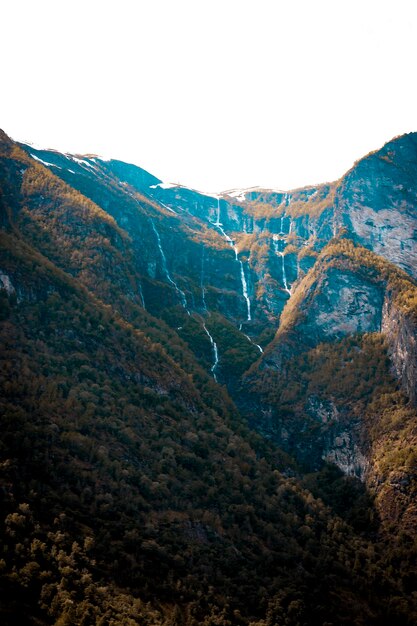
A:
x: 208, y: 402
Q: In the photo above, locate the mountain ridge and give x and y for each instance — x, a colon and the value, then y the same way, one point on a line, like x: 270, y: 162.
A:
x: 208, y: 402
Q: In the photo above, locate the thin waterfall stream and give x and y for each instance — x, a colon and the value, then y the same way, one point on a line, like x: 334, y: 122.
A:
x: 231, y: 243
x: 141, y: 296
x: 212, y: 342
x: 280, y: 253
x: 166, y: 271
x: 215, y: 352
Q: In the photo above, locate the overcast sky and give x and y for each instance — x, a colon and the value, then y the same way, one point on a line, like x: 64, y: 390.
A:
x: 212, y: 94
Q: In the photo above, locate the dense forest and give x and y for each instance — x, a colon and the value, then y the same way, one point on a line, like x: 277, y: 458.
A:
x: 170, y: 407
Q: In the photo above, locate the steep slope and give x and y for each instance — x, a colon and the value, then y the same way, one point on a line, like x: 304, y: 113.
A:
x: 326, y: 381
x: 280, y: 233
x: 123, y: 487
x: 177, y: 267
x: 377, y: 202
x: 277, y: 234
x: 133, y: 489
x: 275, y: 238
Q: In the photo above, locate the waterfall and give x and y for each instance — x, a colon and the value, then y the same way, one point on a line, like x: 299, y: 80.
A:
x: 242, y: 273
x: 218, y: 223
x: 281, y: 254
x: 275, y: 243
x: 253, y: 343
x: 290, y: 227
x: 166, y: 271
x: 284, y: 276
x: 334, y: 224
x: 298, y: 267
x: 141, y: 295
x: 244, y: 284
x: 281, y: 232
x: 228, y: 239
x: 215, y: 352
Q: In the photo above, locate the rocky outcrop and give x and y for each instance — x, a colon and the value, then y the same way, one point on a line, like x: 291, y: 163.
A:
x: 341, y: 437
x: 377, y: 202
x: 338, y: 302
x: 6, y: 284
x: 400, y: 329
x: 344, y: 303
x: 349, y: 293
x: 276, y: 236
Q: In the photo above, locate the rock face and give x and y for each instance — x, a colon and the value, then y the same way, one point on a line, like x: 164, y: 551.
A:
x: 377, y: 202
x: 6, y: 283
x: 142, y: 316
x: 341, y: 440
x: 335, y: 301
x: 344, y: 451
x: 326, y: 433
x: 249, y: 259
x: 344, y: 303
x: 350, y: 293
x: 401, y: 332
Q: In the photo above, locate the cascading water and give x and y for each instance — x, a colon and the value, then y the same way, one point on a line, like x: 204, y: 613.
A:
x: 275, y: 243
x: 141, y: 296
x: 231, y: 243
x: 284, y: 277
x: 166, y: 271
x: 253, y: 343
x: 215, y: 352
x: 212, y: 342
x: 244, y: 285
x: 217, y: 223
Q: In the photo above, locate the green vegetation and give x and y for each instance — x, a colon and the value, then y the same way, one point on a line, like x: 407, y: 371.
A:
x: 346, y: 255
x: 313, y: 204
x: 133, y: 490
x: 121, y: 477
x: 351, y: 383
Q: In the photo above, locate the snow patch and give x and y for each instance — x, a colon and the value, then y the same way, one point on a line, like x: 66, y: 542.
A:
x: 209, y: 194
x: 238, y: 194
x: 81, y: 162
x: 164, y: 186
x: 45, y: 162
x: 99, y: 158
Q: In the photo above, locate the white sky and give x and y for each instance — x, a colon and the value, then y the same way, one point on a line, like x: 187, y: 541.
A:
x: 213, y: 94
